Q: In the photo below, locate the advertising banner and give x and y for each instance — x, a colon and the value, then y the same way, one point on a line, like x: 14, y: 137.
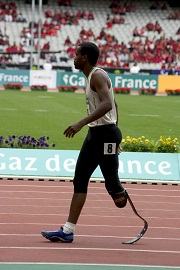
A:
x: 70, y: 79
x: 168, y: 82
x: 135, y: 82
x: 122, y: 81
x: 52, y: 79
x: 43, y: 77
x: 14, y: 76
x: 61, y: 163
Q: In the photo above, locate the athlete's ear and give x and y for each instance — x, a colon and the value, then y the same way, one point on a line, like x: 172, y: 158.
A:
x: 84, y: 57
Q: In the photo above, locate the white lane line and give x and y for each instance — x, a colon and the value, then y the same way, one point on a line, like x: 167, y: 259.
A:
x: 155, y: 195
x: 91, y: 249
x: 85, y: 225
x: 120, y: 266
x: 89, y: 200
x: 13, y: 109
x: 90, y: 215
x: 91, y: 236
x: 45, y: 97
x: 102, y: 208
x: 8, y: 109
x: 96, y: 193
x: 143, y: 115
x: 41, y: 110
x: 60, y: 187
x: 94, y: 187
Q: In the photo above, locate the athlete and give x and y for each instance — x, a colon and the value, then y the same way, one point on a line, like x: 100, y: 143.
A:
x: 101, y: 144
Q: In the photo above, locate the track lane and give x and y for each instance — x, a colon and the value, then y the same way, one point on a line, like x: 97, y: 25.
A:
x: 27, y: 208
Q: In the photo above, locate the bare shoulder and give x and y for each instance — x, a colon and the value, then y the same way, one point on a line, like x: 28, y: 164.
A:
x: 100, y: 80
x: 100, y: 77
x: 99, y: 74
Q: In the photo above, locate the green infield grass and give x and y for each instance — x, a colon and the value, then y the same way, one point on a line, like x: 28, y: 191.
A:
x: 46, y: 113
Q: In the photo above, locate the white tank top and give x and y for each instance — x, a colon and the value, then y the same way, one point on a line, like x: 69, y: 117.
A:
x: 92, y: 101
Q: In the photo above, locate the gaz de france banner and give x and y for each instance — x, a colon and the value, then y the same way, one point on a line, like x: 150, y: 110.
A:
x: 14, y: 76
x: 61, y: 163
x: 135, y: 82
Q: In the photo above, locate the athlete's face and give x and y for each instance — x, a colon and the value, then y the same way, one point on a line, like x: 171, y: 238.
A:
x: 79, y: 60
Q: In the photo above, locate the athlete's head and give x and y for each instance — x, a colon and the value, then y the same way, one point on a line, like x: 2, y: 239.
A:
x: 86, y: 53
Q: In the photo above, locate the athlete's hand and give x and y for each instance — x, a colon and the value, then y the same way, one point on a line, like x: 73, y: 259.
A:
x: 119, y: 150
x: 72, y: 130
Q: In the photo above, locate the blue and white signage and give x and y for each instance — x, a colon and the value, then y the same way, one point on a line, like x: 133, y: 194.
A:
x: 61, y: 163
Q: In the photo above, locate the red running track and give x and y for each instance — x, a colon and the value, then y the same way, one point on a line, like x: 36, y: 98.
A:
x: 27, y: 207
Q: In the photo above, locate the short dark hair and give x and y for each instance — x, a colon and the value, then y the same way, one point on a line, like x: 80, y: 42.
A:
x: 91, y: 50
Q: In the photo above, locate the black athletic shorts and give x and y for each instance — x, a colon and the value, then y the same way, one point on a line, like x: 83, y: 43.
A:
x: 99, y: 148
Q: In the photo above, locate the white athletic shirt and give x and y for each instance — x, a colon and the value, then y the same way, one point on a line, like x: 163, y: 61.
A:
x: 92, y: 101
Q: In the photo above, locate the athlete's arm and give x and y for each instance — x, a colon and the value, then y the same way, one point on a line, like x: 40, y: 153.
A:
x: 116, y: 112
x: 100, y: 84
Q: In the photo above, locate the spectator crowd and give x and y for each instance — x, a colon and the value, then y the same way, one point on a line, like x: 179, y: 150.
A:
x: 142, y: 48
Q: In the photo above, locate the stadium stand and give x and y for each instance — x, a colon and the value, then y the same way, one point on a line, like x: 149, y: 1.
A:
x: 146, y: 32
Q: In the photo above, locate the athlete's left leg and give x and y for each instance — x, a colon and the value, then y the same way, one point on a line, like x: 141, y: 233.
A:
x: 86, y: 164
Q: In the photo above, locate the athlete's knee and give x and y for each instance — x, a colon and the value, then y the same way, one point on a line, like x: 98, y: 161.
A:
x: 79, y: 186
x: 117, y: 192
x: 120, y: 199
